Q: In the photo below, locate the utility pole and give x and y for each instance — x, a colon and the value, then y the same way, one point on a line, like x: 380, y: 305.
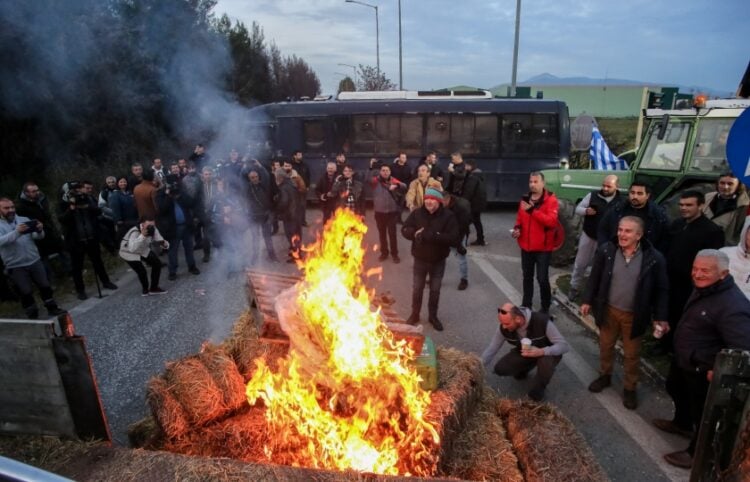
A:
x: 400, y: 57
x: 515, y: 49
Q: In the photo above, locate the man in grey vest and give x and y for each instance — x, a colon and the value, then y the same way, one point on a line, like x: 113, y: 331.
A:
x: 536, y: 342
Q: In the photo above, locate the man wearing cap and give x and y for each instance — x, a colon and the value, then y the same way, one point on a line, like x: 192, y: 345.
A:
x: 536, y: 342
x: 432, y: 229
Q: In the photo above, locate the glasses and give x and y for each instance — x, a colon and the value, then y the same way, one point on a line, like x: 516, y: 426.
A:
x: 502, y: 311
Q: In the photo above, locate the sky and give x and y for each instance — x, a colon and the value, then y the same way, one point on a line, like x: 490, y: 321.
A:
x: 703, y: 43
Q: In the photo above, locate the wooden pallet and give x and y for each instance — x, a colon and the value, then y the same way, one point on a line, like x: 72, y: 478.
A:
x: 262, y: 289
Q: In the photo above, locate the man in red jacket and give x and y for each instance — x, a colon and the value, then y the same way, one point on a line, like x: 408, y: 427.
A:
x: 534, y: 230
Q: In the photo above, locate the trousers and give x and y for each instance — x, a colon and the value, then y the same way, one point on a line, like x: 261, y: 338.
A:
x: 515, y: 364
x: 540, y: 261
x: 419, y: 273
x: 619, y: 325
x: 584, y: 256
x: 155, y: 263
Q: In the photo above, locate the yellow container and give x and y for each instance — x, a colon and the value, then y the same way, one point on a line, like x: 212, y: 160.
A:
x: 427, y: 365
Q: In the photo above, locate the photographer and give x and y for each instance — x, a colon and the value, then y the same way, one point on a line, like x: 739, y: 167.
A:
x: 21, y: 258
x: 175, y: 221
x: 136, y: 249
x: 79, y: 220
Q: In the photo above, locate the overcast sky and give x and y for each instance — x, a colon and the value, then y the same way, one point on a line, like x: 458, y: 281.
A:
x: 447, y: 42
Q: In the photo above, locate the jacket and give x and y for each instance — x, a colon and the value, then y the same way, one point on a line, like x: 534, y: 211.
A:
x: 461, y: 208
x: 259, y: 201
x: 122, y: 205
x: 165, y: 218
x: 601, y: 205
x: 288, y: 202
x: 739, y: 262
x: 403, y: 173
x: 652, y: 290
x: 18, y: 250
x: 731, y: 221
x: 322, y: 188
x: 144, y: 196
x: 135, y: 245
x: 475, y: 191
x: 80, y: 224
x: 440, y: 233
x: 415, y: 193
x: 537, y: 224
x: 715, y: 317
x: 40, y: 210
x: 383, y: 199
x: 349, y: 194
x: 653, y: 216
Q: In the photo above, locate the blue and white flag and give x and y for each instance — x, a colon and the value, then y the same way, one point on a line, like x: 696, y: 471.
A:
x: 601, y: 156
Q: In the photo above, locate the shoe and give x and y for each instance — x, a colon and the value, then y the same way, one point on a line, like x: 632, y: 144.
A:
x: 396, y: 259
x: 436, y: 323
x: 536, y: 394
x: 157, y: 291
x: 382, y: 257
x: 413, y: 319
x: 194, y: 270
x: 680, y: 459
x: 463, y: 284
x: 206, y: 259
x: 144, y: 292
x: 670, y: 427
x: 600, y: 383
x: 55, y: 311
x: 172, y: 276
x: 478, y: 242
x: 82, y: 295
x: 109, y: 285
x: 629, y: 399
x: 521, y: 375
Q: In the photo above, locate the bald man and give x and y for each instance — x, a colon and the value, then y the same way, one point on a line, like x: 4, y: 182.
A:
x: 592, y: 209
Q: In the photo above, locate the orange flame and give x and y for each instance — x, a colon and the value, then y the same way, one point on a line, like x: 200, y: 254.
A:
x: 345, y: 396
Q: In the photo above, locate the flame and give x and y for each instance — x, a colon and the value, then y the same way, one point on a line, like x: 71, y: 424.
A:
x: 345, y: 396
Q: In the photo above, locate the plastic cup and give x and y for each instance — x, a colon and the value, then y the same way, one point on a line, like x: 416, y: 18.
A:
x: 525, y: 344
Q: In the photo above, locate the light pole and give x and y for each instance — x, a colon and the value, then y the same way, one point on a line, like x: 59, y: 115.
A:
x: 515, y: 49
x: 400, y: 63
x: 377, y: 30
x: 354, y: 69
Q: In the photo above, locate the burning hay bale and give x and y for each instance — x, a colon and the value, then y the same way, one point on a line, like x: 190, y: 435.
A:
x: 245, y: 346
x: 167, y: 411
x: 537, y: 432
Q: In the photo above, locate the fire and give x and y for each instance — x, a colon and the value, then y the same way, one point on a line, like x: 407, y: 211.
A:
x: 345, y: 396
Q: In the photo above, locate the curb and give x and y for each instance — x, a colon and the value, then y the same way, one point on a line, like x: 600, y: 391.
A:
x: 588, y: 322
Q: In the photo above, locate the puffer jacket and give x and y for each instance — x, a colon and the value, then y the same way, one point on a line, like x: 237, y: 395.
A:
x: 739, y: 262
x: 538, y: 223
x: 440, y: 233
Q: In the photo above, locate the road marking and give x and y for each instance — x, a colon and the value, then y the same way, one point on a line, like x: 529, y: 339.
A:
x: 498, y: 257
x: 648, y: 438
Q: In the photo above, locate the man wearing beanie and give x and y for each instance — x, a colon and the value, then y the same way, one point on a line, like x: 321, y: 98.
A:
x: 433, y: 230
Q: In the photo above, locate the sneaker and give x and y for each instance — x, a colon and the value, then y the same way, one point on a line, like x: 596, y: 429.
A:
x: 680, y: 459
x: 82, y: 295
x: 382, y: 257
x: 463, y: 284
x: 109, y: 285
x: 413, y: 319
x: 600, y: 383
x: 536, y: 394
x: 157, y: 291
x: 194, y: 270
x: 670, y: 427
x: 396, y: 259
x: 172, y: 276
x: 144, y: 292
x: 436, y: 323
x: 478, y: 242
x: 629, y: 399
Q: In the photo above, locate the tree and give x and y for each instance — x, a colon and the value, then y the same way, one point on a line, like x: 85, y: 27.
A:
x: 347, y: 85
x: 370, y: 79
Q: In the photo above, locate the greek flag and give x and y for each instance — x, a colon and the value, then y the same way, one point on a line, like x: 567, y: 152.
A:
x: 601, y: 156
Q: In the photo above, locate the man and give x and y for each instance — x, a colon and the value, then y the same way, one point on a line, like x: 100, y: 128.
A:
x: 691, y: 233
x: 323, y: 187
x: 231, y: 172
x: 145, y: 197
x: 387, y: 196
x: 110, y: 186
x: 592, y: 208
x: 200, y: 157
x: 462, y: 210
x: 340, y: 163
x: 348, y: 192
x: 21, y: 258
x: 107, y: 228
x: 727, y: 206
x: 716, y: 316
x: 135, y: 176
x: 204, y: 230
x: 175, y: 222
x: 174, y: 169
x: 535, y: 223
x: 432, y: 229
x: 78, y: 218
x: 627, y: 288
x: 287, y: 208
x: 183, y: 167
x: 401, y: 169
x: 545, y: 352
x: 304, y: 172
x: 33, y: 204
x: 639, y: 204
x: 259, y: 203
x: 158, y: 169
x: 475, y: 192
x: 431, y: 161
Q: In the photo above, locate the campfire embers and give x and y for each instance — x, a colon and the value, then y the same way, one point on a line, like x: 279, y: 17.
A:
x: 345, y: 396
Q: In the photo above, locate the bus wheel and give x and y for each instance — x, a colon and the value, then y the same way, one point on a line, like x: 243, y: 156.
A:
x: 572, y: 225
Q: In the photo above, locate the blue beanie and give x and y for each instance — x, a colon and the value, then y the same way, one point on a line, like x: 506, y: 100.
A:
x: 432, y: 193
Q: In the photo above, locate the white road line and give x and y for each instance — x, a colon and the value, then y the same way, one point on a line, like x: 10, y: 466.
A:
x: 498, y: 257
x: 648, y: 438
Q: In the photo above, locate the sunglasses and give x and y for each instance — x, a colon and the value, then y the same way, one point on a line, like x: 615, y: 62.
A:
x: 502, y: 311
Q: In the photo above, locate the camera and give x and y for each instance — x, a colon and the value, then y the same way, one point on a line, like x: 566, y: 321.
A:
x: 33, y: 226
x: 150, y: 230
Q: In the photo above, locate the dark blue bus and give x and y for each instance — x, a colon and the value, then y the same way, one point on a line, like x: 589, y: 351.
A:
x: 507, y: 137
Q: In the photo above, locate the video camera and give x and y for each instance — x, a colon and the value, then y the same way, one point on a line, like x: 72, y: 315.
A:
x: 71, y: 194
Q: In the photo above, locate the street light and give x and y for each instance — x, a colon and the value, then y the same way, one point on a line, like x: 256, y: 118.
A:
x: 353, y: 69
x: 400, y: 63
x: 377, y: 29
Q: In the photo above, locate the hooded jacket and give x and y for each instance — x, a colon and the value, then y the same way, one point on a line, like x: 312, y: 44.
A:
x: 739, y: 262
x: 537, y: 224
x: 731, y: 221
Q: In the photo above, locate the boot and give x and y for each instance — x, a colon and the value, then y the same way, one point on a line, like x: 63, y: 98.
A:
x: 600, y: 383
x: 52, y: 308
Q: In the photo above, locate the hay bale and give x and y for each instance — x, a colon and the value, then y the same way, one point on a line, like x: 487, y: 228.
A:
x: 167, y: 411
x: 225, y: 374
x: 482, y: 451
x: 547, y: 444
x: 195, y: 389
x: 145, y: 433
x: 244, y: 346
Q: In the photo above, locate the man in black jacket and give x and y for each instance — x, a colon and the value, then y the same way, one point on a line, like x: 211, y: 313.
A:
x: 432, y: 229
x: 33, y: 204
x: 323, y: 187
x: 461, y: 209
x: 259, y: 200
x: 175, y: 222
x: 475, y: 192
x: 639, y: 204
x: 627, y: 289
x: 716, y: 316
x: 298, y: 164
x: 287, y: 211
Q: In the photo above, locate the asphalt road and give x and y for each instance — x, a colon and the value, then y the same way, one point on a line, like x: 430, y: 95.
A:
x: 131, y: 338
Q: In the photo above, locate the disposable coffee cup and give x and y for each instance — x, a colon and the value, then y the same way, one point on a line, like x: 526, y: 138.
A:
x: 525, y: 344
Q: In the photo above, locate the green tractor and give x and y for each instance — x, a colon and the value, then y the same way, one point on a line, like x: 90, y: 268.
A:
x: 682, y: 149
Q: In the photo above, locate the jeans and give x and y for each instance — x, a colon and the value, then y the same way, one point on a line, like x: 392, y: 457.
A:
x: 258, y: 230
x: 77, y: 253
x: 515, y: 364
x: 386, y: 223
x: 184, y: 236
x: 463, y: 261
x: 540, y: 260
x: 151, y: 260
x: 23, y: 278
x: 419, y: 272
x: 584, y: 255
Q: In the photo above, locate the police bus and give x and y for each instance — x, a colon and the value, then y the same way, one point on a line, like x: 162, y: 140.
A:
x: 507, y: 137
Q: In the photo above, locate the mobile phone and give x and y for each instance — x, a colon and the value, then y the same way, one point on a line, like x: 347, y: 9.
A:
x: 32, y: 225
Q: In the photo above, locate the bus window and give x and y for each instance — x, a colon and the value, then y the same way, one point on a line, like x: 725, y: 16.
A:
x: 516, y: 135
x: 485, y: 135
x: 411, y: 135
x: 544, y: 135
x: 314, y: 136
x: 342, y: 134
x: 439, y: 133
x: 530, y: 135
x: 363, y: 135
x: 387, y: 133
x: 462, y: 134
